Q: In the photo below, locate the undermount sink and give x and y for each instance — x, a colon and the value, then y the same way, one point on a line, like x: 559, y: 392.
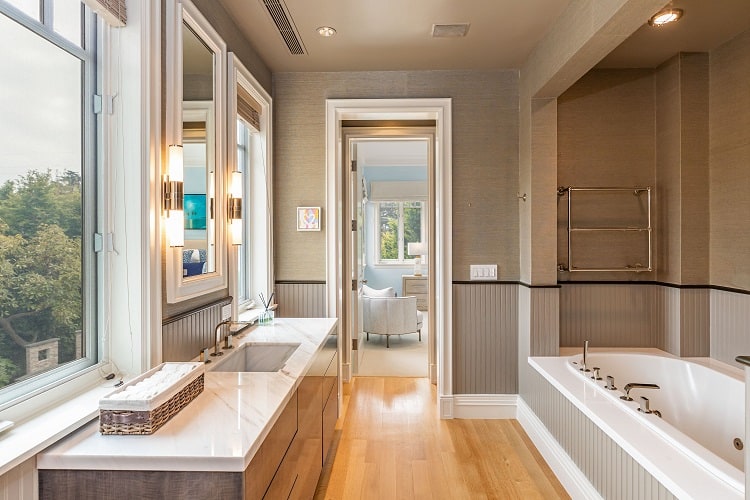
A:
x: 255, y: 358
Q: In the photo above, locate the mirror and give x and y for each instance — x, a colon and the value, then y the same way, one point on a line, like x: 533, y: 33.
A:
x: 195, y: 113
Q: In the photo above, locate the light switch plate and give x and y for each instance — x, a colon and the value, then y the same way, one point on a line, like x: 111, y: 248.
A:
x: 484, y: 272
x: 226, y: 312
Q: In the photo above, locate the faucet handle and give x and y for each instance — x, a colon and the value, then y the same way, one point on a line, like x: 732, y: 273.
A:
x: 595, y: 374
x: 205, y: 357
x: 228, y: 342
x: 611, y: 383
x: 644, y: 405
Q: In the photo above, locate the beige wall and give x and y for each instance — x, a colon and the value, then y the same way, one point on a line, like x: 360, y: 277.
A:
x: 606, y: 137
x: 485, y: 161
x: 729, y: 126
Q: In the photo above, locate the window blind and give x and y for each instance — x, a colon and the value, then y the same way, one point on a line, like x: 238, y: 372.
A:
x: 112, y: 11
x: 248, y: 108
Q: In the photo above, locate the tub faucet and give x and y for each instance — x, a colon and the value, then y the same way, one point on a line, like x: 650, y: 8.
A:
x: 585, y: 355
x: 634, y: 385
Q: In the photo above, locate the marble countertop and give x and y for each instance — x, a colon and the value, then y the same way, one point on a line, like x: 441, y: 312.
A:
x: 218, y: 431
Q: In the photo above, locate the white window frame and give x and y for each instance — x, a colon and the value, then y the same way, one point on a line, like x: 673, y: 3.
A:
x: 29, y: 397
x: 257, y: 196
x: 401, y: 261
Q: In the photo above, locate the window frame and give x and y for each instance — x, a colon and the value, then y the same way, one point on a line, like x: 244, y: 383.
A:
x: 257, y: 202
x: 402, y: 260
x: 17, y: 400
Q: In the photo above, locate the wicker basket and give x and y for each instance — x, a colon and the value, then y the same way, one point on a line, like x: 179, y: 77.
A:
x: 131, y: 417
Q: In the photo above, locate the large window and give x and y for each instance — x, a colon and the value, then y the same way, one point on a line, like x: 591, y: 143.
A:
x: 244, y: 294
x: 48, y: 290
x: 399, y: 223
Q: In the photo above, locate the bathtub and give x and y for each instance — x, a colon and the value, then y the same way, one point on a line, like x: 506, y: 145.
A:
x: 691, y: 448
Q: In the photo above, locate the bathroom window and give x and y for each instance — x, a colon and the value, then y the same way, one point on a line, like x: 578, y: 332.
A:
x: 243, y: 251
x: 399, y: 223
x: 48, y: 131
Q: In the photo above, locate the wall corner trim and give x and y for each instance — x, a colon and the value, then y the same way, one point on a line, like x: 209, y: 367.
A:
x: 446, y: 407
x: 484, y: 406
x: 570, y: 476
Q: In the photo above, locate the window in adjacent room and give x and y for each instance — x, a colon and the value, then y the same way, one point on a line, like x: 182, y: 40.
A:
x: 48, y: 269
x: 399, y: 223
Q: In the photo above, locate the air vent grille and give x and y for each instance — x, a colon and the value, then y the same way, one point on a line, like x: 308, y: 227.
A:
x: 450, y: 30
x: 280, y: 15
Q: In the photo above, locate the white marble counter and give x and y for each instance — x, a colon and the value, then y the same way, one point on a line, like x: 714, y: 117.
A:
x: 220, y: 430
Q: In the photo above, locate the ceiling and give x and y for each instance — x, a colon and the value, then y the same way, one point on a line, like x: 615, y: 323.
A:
x: 396, y: 34
x: 705, y: 25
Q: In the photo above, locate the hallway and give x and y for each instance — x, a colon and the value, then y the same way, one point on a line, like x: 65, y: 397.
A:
x: 393, y: 445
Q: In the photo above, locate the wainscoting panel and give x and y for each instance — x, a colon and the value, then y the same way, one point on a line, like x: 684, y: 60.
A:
x: 608, y: 315
x: 730, y: 317
x: 184, y: 336
x: 485, y: 338
x: 695, y: 319
x: 20, y: 483
x: 545, y: 322
x: 301, y: 300
x: 613, y: 472
x: 667, y: 318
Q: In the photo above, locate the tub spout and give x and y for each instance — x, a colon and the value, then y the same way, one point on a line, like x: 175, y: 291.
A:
x: 585, y: 355
x: 635, y: 385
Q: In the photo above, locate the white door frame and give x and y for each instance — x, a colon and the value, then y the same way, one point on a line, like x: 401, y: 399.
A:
x: 439, y: 109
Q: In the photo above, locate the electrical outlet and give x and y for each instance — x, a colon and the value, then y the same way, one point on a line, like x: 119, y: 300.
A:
x: 226, y: 312
x: 486, y: 272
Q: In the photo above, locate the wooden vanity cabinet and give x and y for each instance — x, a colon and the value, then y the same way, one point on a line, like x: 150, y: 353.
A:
x: 287, y: 465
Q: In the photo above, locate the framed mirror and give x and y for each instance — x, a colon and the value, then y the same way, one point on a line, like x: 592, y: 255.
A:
x: 195, y: 97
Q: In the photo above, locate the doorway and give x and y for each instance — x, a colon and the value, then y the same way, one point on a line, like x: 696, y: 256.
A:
x: 339, y: 279
x: 390, y: 204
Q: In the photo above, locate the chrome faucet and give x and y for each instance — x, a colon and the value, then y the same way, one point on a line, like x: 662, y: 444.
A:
x: 227, y: 338
x: 585, y: 355
x: 217, y: 336
x: 634, y: 385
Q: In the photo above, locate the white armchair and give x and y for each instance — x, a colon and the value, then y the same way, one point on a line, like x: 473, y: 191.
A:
x: 391, y: 316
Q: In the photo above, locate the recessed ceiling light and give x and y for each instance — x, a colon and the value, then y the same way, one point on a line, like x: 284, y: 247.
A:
x: 665, y: 16
x: 326, y: 31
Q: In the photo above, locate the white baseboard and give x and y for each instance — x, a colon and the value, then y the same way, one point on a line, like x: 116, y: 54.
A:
x: 484, y: 406
x: 573, y: 480
x: 445, y: 407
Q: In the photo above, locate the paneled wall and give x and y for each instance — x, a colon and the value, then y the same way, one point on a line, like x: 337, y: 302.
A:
x: 485, y: 160
x: 636, y: 315
x: 301, y: 299
x: 730, y: 325
x: 20, y: 483
x: 485, y: 338
x: 184, y: 336
x: 612, y: 471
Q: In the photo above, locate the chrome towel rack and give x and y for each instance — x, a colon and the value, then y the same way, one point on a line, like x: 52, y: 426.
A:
x: 637, y: 229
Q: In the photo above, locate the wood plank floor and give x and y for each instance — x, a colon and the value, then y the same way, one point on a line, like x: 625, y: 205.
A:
x: 392, y: 445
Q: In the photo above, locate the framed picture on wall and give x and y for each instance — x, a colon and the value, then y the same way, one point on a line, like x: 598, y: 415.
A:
x: 308, y: 218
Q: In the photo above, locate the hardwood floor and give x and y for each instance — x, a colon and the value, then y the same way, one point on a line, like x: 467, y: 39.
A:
x: 392, y: 445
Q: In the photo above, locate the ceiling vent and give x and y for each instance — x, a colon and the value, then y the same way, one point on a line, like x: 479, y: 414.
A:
x: 284, y: 23
x: 450, y: 30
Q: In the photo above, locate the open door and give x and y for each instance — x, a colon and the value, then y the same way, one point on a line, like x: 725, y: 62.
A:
x: 356, y: 248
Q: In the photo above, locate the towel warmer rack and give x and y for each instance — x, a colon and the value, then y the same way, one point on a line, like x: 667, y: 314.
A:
x: 573, y: 230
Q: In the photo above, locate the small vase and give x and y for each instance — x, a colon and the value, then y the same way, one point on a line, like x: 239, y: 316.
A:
x: 266, y: 318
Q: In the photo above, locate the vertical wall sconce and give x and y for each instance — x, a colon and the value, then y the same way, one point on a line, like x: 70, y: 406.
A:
x: 172, y: 198
x: 235, y: 208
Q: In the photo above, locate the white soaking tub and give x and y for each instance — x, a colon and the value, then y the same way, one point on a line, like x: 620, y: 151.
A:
x: 693, y: 448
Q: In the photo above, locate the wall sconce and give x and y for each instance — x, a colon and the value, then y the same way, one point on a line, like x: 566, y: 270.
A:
x: 172, y: 198
x: 235, y: 208
x: 417, y: 249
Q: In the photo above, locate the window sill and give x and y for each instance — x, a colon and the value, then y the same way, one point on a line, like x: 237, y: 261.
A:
x: 30, y: 436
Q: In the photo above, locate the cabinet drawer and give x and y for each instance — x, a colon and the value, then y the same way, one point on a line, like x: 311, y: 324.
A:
x: 262, y: 468
x: 414, y: 287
